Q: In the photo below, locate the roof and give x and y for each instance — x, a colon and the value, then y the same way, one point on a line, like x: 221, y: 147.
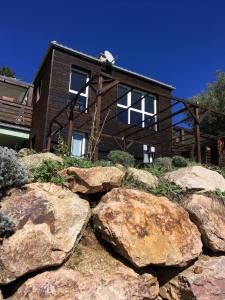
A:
x: 55, y: 44
x: 14, y: 81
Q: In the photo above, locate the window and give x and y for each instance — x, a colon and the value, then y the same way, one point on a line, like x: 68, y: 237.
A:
x: 136, y: 108
x: 148, y: 154
x: 78, y: 144
x: 38, y: 91
x: 77, y: 80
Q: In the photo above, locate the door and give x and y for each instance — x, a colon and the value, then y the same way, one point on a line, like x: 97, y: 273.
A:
x: 78, y: 144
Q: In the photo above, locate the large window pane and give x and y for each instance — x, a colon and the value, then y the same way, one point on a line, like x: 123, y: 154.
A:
x: 122, y: 115
x: 136, y: 100
x: 136, y: 118
x: 149, y: 104
x: 80, y: 102
x: 120, y: 92
x: 78, y: 80
x: 149, y: 120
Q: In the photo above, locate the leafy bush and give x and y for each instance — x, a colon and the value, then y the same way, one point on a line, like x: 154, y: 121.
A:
x: 164, y: 188
x: 48, y: 172
x: 70, y: 161
x: 62, y: 148
x: 179, y: 161
x: 12, y: 173
x: 168, y: 189
x: 7, y: 227
x: 121, y: 157
x: 165, y: 162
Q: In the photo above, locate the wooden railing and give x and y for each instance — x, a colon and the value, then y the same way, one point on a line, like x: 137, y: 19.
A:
x: 14, y: 113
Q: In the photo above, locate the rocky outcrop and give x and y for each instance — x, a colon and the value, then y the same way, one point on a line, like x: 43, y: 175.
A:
x: 197, y: 178
x: 92, y: 180
x: 65, y: 284
x: 205, y: 280
x: 143, y: 176
x: 49, y: 221
x: 209, y: 216
x: 36, y: 160
x: 146, y: 229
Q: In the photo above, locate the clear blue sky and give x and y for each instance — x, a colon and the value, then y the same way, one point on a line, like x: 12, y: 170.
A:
x: 178, y: 42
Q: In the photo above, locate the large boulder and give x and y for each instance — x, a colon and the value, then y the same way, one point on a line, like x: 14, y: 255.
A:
x: 49, y: 222
x: 197, y: 178
x: 92, y: 180
x: 205, y: 280
x: 146, y: 229
x: 143, y: 176
x: 36, y: 160
x: 209, y: 216
x: 65, y: 284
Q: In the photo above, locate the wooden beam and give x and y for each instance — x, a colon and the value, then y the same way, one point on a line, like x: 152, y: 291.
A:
x: 197, y: 135
x: 98, y: 115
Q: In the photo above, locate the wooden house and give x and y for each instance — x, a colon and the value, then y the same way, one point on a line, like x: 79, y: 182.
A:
x: 97, y: 106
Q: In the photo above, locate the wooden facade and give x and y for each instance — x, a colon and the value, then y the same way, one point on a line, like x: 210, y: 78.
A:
x: 51, y: 94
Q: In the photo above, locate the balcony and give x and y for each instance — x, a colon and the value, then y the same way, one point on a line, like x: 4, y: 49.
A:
x: 14, y: 113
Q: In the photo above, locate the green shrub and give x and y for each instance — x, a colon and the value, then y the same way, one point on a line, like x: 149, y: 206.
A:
x: 165, y: 162
x: 132, y: 183
x: 48, y: 172
x: 164, y: 188
x: 156, y: 170
x: 122, y: 158
x: 168, y: 189
x: 62, y: 148
x: 7, y: 226
x: 70, y: 161
x: 12, y: 173
x: 179, y: 161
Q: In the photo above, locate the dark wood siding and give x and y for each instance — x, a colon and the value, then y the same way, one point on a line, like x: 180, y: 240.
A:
x: 40, y: 108
x: 58, y: 94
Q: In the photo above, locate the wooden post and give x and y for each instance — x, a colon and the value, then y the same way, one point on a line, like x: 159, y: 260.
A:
x: 197, y: 135
x: 98, y: 115
x: 49, y: 142
x: 70, y: 132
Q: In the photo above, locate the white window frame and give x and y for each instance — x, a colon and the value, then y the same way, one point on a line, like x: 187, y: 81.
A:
x: 142, y: 111
x: 87, y: 88
x: 83, y: 147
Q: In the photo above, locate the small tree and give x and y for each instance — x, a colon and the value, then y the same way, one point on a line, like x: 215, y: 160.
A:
x: 6, y: 71
x: 213, y: 97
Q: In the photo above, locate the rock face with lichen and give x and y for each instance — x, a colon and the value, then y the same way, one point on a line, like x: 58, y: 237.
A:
x: 146, y: 229
x: 92, y: 180
x: 66, y: 284
x: 205, y: 280
x: 209, y: 216
x: 49, y: 221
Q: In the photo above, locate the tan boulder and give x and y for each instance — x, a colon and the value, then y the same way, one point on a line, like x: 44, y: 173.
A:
x: 66, y: 284
x: 197, y: 178
x: 36, y: 160
x: 92, y: 180
x: 144, y: 176
x: 49, y: 222
x: 146, y: 229
x: 205, y: 280
x: 208, y: 214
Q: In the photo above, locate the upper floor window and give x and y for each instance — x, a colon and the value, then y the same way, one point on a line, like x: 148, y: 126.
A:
x: 38, y: 91
x: 77, y: 80
x: 136, y: 107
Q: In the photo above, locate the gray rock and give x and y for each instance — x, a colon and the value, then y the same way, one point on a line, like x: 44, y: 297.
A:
x: 197, y: 178
x: 143, y: 176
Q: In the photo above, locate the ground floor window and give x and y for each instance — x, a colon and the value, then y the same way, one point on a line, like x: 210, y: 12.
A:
x: 148, y: 154
x: 78, y: 144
